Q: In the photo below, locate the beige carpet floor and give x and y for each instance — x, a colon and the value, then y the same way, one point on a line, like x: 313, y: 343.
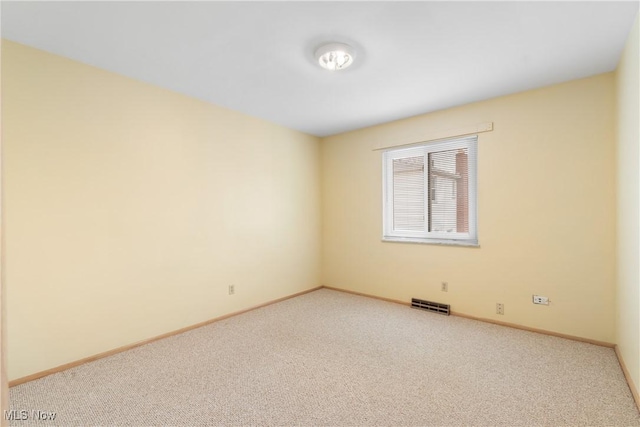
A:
x: 330, y: 358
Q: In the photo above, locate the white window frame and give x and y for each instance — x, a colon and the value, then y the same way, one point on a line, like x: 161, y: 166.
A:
x: 430, y: 237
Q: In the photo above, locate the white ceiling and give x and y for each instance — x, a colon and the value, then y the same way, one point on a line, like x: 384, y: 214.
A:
x: 257, y: 57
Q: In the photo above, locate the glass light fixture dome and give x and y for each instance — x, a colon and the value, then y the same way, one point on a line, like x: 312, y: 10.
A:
x: 335, y: 56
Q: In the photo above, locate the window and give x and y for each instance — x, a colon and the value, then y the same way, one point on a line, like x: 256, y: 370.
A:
x: 429, y: 192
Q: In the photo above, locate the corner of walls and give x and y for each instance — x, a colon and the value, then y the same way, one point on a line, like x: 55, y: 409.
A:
x: 628, y: 207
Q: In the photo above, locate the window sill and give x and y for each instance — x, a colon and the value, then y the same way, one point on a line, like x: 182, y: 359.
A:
x: 440, y: 242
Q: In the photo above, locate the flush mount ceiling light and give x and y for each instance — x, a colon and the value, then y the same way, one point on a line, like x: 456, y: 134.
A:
x: 335, y: 56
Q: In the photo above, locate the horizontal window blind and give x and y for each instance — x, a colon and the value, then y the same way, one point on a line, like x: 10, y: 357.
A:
x: 449, y: 186
x: 408, y: 194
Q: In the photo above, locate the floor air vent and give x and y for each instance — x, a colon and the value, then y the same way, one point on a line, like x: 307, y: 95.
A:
x: 436, y: 307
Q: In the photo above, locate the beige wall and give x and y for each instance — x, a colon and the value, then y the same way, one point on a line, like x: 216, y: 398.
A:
x: 129, y: 209
x: 628, y: 140
x: 4, y: 386
x: 546, y: 215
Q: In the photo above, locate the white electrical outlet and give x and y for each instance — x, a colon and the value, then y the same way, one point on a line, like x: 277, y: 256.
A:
x: 537, y: 299
x: 445, y: 287
x: 499, y: 308
x: 232, y: 289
